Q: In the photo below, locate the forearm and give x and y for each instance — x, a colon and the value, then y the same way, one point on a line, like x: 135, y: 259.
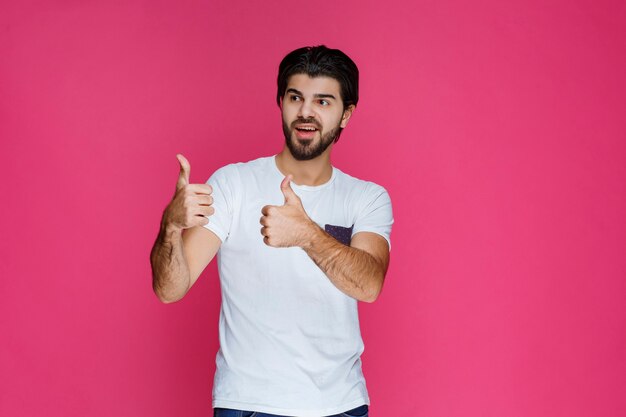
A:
x: 353, y: 271
x: 170, y: 272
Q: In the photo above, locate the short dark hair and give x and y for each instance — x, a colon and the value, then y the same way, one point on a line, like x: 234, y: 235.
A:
x: 320, y: 61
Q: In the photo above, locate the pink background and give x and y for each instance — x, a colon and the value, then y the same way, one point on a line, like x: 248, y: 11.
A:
x: 498, y: 128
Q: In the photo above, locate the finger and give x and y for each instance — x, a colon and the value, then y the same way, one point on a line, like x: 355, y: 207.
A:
x: 196, y: 220
x: 204, y: 211
x: 200, y: 221
x: 290, y: 195
x: 266, y: 210
x: 198, y: 200
x: 264, y: 231
x: 266, y: 240
x: 185, y: 170
x: 263, y: 221
x: 204, y: 200
x: 200, y: 188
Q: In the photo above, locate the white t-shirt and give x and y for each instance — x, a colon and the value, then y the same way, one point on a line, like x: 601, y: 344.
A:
x: 290, y: 342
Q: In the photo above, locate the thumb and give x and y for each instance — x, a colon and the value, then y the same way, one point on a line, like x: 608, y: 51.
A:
x: 290, y: 196
x: 185, y: 169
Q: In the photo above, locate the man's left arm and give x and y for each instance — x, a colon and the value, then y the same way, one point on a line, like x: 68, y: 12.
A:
x: 357, y: 270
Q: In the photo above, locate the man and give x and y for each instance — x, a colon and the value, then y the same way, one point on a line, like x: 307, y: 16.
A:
x: 299, y: 243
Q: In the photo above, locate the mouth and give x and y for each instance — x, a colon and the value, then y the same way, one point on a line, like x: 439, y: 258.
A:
x: 305, y: 131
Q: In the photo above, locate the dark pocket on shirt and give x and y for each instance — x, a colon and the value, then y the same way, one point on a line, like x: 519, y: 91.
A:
x: 342, y: 234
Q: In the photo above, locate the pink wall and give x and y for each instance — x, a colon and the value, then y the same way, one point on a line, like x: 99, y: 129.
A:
x: 498, y: 127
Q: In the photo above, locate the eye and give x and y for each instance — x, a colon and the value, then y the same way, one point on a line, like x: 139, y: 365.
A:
x: 294, y: 98
x: 324, y: 102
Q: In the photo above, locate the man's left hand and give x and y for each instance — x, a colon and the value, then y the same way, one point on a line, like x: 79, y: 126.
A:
x: 287, y: 225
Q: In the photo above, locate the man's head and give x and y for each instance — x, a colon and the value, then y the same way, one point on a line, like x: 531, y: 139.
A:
x: 320, y: 61
x: 317, y: 89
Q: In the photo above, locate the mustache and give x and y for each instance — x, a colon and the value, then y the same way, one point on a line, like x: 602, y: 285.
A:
x: 306, y: 121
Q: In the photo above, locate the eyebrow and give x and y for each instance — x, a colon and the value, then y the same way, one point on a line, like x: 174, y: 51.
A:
x: 293, y: 90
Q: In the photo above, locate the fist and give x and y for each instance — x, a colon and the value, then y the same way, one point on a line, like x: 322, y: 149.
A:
x: 191, y: 203
x: 287, y: 225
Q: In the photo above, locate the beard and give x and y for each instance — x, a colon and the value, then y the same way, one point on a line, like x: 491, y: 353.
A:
x: 306, y: 150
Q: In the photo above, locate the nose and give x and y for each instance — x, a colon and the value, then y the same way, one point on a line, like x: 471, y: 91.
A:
x: 306, y: 110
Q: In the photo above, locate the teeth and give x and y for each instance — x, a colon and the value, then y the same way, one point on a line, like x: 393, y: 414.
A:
x: 307, y: 128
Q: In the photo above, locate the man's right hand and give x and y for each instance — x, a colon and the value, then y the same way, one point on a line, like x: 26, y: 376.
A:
x: 191, y: 203
x: 177, y: 258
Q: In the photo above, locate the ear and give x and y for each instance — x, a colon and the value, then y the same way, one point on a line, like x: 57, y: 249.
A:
x: 347, y: 113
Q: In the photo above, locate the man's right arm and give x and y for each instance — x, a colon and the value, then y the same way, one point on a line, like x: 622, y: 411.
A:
x: 178, y: 258
x: 183, y: 247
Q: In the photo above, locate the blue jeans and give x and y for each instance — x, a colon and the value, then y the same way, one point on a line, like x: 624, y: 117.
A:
x: 361, y: 411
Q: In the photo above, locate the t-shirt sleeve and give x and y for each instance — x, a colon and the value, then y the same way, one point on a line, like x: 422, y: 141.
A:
x: 375, y: 214
x: 219, y: 222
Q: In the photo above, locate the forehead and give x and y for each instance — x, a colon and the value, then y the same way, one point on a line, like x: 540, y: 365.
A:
x: 314, y: 85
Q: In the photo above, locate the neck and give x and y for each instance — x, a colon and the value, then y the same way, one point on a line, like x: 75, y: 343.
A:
x: 314, y: 172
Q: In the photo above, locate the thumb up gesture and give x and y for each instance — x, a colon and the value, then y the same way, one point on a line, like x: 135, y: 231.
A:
x: 287, y: 225
x: 191, y: 202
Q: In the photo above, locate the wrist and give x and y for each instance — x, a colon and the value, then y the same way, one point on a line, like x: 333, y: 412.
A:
x: 311, y: 234
x: 169, y: 230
